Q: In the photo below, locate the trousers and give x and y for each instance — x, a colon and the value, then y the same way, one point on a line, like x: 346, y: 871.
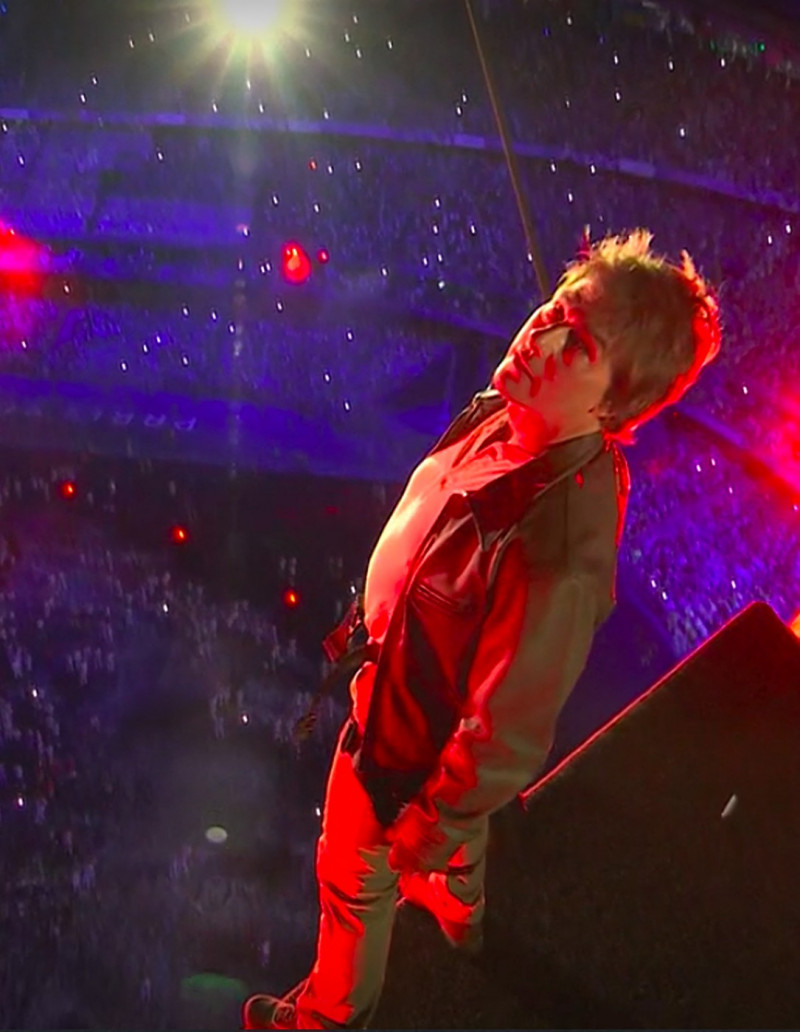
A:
x: 358, y: 896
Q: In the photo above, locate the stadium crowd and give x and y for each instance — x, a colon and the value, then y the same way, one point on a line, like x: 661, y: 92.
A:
x: 329, y: 370
x: 88, y: 623
x: 704, y: 536
x: 581, y: 76
x: 401, y: 231
x: 108, y: 643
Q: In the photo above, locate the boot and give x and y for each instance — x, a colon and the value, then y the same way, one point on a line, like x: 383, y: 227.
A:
x: 420, y: 891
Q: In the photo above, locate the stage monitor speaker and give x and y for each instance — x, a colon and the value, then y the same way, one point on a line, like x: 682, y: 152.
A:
x: 656, y: 873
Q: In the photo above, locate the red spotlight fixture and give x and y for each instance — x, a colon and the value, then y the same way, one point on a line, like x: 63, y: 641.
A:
x: 312, y: 165
x: 22, y: 261
x: 179, y: 535
x: 295, y: 263
x: 291, y: 599
x: 323, y: 256
x: 68, y: 489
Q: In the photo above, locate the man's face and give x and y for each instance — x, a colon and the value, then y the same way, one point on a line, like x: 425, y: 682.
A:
x: 553, y: 375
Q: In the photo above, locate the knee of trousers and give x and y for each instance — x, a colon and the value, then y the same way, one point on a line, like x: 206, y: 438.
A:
x: 352, y: 871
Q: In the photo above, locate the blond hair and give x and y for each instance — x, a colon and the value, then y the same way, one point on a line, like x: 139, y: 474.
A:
x: 658, y: 323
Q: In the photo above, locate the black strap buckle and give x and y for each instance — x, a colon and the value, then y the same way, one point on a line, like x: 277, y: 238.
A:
x: 351, y: 740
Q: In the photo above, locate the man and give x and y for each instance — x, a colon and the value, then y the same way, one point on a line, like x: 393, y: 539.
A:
x: 481, y: 601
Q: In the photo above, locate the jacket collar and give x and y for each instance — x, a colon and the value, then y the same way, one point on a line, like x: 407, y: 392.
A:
x: 503, y: 501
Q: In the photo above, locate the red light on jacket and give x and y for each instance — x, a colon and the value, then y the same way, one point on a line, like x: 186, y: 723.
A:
x: 179, y: 535
x: 291, y: 598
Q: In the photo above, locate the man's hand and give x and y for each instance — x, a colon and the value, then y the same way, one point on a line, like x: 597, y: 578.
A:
x: 417, y: 844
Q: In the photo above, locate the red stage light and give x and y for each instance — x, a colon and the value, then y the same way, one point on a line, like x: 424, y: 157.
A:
x: 312, y: 165
x: 323, y: 257
x: 179, y: 535
x: 22, y: 261
x: 291, y: 598
x: 295, y: 264
x: 68, y: 489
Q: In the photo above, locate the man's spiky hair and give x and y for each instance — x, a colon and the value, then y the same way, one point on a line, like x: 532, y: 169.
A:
x: 658, y: 322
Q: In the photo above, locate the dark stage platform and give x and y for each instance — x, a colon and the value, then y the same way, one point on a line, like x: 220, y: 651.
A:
x: 651, y: 882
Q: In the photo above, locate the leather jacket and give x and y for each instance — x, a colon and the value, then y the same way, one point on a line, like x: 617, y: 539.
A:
x: 557, y: 518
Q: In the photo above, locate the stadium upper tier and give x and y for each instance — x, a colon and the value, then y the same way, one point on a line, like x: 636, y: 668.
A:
x: 624, y: 79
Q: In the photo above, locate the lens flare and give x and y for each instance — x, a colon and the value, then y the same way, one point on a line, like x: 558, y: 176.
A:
x: 251, y: 19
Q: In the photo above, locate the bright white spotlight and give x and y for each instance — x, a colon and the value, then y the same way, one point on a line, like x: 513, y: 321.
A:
x: 251, y: 18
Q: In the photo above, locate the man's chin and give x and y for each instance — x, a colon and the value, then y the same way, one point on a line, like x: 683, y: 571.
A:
x: 502, y: 384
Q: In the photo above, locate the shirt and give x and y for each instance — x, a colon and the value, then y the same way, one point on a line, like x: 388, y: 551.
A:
x: 464, y: 466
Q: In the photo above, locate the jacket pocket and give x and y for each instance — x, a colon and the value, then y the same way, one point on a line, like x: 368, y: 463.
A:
x: 423, y: 593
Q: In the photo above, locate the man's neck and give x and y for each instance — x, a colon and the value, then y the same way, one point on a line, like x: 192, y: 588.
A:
x: 530, y: 433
